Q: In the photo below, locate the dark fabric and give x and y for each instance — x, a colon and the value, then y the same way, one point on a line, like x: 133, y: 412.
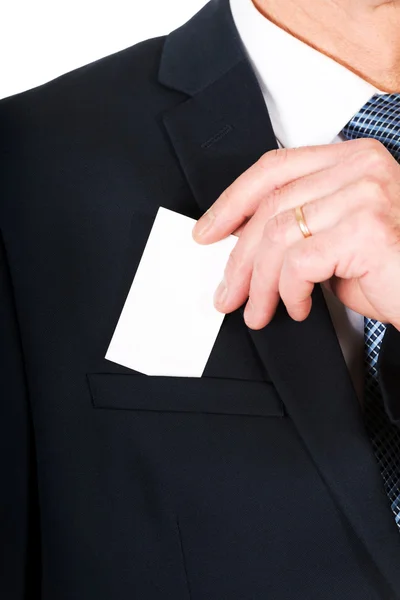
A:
x: 257, y: 482
x: 389, y: 372
x: 19, y: 566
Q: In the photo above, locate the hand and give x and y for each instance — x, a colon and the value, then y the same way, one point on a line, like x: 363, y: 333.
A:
x: 350, y: 193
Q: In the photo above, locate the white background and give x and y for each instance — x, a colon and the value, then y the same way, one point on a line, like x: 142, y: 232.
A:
x: 41, y: 39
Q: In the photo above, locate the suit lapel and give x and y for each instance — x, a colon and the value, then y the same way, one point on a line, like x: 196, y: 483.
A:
x: 217, y: 133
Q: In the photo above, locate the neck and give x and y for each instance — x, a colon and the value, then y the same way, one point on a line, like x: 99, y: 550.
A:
x: 362, y: 35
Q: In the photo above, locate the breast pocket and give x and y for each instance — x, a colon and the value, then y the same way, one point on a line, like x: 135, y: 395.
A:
x: 184, y: 395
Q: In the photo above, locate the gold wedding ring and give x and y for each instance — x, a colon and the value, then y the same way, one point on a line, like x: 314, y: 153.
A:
x: 301, y: 221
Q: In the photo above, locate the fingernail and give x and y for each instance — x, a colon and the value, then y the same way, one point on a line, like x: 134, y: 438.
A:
x: 204, y: 224
x: 221, y: 293
x: 248, y: 312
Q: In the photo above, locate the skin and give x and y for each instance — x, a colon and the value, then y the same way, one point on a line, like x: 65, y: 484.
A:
x: 362, y: 35
x: 350, y: 192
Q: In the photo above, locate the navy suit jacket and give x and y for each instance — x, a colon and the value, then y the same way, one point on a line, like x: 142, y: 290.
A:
x: 256, y: 481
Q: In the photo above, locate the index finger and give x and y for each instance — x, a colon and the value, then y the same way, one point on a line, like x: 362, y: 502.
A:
x: 273, y: 170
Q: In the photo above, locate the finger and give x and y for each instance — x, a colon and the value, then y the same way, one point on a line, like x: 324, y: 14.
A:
x: 326, y: 212
x: 273, y: 170
x: 296, y: 293
x: 234, y: 289
x: 238, y: 232
x: 342, y: 251
x: 284, y: 229
x: 264, y: 284
x: 361, y: 166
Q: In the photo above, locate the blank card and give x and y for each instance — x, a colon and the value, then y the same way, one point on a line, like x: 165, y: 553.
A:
x: 168, y: 325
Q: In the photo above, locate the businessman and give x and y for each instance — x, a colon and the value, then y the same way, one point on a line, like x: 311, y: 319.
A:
x: 276, y: 474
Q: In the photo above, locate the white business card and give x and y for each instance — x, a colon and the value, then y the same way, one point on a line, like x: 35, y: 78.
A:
x: 168, y: 325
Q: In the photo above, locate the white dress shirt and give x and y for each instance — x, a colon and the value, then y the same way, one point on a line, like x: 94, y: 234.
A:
x: 310, y: 98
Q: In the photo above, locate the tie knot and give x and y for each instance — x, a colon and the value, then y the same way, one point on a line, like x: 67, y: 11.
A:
x: 379, y: 118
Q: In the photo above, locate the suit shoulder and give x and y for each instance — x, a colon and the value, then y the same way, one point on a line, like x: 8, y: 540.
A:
x: 124, y: 81
x: 136, y: 62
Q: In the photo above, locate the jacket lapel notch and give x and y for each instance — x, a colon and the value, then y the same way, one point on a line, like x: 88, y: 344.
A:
x: 219, y: 133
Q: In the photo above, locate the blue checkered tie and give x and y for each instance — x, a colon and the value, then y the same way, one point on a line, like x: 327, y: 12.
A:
x: 379, y: 118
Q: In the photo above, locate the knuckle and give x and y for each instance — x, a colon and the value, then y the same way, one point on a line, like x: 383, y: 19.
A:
x: 258, y: 270
x: 235, y: 264
x: 361, y: 225
x: 300, y: 257
x: 272, y: 230
x: 378, y: 161
x: 374, y: 146
x: 275, y: 157
x: 273, y: 201
x: 384, y: 199
x: 373, y: 229
x: 385, y: 234
x: 371, y: 188
x: 374, y: 157
x: 265, y: 160
x: 278, y: 227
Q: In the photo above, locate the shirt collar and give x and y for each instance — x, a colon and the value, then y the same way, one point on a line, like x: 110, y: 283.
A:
x: 310, y: 96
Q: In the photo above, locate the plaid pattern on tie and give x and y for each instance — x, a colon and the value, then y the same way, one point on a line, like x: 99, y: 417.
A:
x: 379, y: 118
x: 385, y: 436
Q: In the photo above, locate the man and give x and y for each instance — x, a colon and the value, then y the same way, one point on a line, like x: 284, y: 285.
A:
x: 263, y: 478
